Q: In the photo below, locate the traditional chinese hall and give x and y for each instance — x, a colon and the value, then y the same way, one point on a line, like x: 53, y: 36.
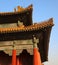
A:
x: 23, y: 42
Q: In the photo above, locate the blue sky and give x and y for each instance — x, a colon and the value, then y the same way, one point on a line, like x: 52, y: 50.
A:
x: 42, y: 10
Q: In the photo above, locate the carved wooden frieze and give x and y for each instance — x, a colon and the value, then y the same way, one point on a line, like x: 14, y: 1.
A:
x: 7, y: 46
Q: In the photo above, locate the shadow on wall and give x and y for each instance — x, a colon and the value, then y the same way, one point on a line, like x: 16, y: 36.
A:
x: 25, y: 58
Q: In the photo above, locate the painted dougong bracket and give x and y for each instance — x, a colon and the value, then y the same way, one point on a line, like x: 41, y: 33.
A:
x: 19, y: 45
x: 35, y: 41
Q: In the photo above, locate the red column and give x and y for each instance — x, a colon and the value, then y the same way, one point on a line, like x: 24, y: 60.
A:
x: 18, y: 62
x: 13, y: 57
x: 37, y: 59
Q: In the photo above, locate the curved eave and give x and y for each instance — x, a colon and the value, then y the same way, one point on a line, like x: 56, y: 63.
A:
x: 33, y: 27
x: 44, y: 44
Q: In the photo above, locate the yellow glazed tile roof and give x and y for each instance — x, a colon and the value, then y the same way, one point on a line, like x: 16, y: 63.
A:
x: 33, y: 27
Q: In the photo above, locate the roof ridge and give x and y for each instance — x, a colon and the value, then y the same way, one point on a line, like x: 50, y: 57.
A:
x: 30, y: 7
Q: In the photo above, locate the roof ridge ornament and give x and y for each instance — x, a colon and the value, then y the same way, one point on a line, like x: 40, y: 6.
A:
x: 20, y: 24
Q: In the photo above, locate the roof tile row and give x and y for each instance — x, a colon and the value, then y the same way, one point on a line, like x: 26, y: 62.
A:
x: 38, y: 26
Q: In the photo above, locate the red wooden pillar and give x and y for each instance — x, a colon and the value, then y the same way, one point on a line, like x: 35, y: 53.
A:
x: 13, y: 57
x: 36, y: 58
x: 18, y: 62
